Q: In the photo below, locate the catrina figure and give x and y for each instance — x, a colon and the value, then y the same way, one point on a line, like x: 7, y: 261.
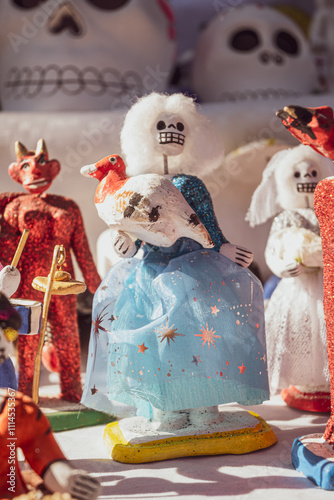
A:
x: 295, y: 323
x: 177, y: 328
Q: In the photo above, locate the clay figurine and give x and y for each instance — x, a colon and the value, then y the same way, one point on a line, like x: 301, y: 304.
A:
x: 51, y: 219
x: 23, y: 425
x: 295, y: 323
x: 313, y: 454
x: 178, y: 329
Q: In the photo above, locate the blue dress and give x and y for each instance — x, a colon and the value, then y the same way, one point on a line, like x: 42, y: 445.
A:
x: 181, y: 328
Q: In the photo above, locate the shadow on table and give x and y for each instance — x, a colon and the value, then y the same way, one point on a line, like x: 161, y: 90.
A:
x: 220, y: 475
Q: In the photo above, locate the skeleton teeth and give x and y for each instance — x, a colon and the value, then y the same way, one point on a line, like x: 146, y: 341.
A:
x: 70, y: 80
x: 171, y: 137
x: 306, y: 187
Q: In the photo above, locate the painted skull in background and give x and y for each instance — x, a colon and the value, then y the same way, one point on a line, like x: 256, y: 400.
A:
x: 297, y: 177
x: 83, y: 55
x: 252, y: 52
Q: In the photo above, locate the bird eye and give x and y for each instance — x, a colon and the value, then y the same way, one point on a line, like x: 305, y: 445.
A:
x: 161, y: 125
x: 113, y: 160
x: 314, y: 173
x: 297, y: 174
x: 180, y: 126
x: 25, y: 166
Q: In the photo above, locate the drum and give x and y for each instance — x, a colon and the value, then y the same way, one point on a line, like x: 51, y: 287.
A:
x: 31, y: 312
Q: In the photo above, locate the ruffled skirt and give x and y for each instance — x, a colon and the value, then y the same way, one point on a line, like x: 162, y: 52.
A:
x: 181, y: 328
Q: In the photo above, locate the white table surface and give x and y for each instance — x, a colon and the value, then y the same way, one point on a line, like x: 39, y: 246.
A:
x: 265, y: 474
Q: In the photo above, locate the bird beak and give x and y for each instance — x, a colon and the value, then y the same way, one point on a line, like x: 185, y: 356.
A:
x: 88, y: 170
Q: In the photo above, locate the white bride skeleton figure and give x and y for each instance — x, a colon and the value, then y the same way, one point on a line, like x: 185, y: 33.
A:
x: 295, y: 324
x: 180, y: 330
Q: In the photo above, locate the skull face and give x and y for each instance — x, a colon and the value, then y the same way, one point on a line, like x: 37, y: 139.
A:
x: 252, y: 52
x: 297, y: 177
x: 88, y: 55
x: 170, y: 133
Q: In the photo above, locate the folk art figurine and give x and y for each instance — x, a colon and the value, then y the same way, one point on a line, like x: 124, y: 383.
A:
x: 23, y: 425
x: 50, y: 219
x: 313, y: 454
x: 21, y: 417
x: 179, y: 328
x: 295, y: 323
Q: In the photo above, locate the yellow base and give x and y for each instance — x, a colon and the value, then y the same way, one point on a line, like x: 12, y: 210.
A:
x: 236, y: 442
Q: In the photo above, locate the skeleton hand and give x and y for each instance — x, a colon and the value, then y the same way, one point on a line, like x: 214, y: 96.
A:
x: 10, y: 278
x: 61, y: 477
x: 237, y: 254
x: 123, y: 245
x: 292, y: 270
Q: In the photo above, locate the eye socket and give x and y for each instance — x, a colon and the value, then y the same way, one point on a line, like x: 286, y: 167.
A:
x: 25, y: 166
x: 244, y: 40
x: 287, y: 43
x: 28, y: 4
x: 113, y: 160
x: 108, y: 4
x: 296, y: 174
x: 314, y: 173
x: 161, y: 125
x: 180, y: 126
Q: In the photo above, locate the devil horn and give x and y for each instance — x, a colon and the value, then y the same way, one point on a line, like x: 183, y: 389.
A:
x: 20, y: 150
x: 41, y: 147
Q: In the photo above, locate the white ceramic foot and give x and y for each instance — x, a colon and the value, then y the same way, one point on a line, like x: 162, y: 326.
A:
x: 205, y: 417
x: 169, y: 421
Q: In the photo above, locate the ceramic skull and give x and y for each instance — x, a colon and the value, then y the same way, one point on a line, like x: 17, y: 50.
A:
x: 170, y: 132
x: 297, y: 176
x: 252, y: 52
x: 83, y: 55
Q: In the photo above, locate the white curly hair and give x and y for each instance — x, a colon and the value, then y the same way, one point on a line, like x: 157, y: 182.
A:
x: 202, y: 152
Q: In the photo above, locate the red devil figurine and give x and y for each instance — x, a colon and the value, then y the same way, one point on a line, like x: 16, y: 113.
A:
x: 51, y: 220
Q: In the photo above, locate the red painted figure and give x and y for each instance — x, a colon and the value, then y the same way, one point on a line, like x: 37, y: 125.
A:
x: 23, y: 425
x: 311, y: 126
x: 315, y: 127
x: 52, y: 220
x: 324, y: 210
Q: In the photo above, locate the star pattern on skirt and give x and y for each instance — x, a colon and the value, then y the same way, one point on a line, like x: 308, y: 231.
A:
x: 93, y: 390
x: 168, y: 332
x: 242, y: 369
x: 196, y: 360
x: 214, y: 310
x: 208, y: 336
x: 142, y: 348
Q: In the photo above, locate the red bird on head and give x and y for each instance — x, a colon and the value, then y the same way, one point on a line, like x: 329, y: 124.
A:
x: 311, y: 126
x: 147, y: 206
